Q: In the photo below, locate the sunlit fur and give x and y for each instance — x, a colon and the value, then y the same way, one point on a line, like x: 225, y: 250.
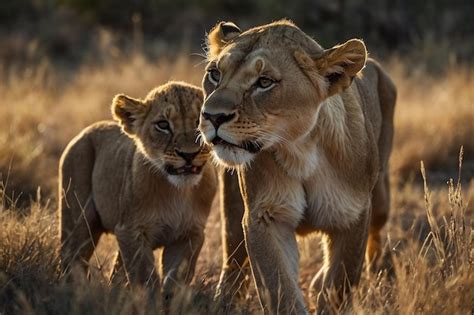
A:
x: 181, y: 181
x: 324, y: 130
x: 231, y: 157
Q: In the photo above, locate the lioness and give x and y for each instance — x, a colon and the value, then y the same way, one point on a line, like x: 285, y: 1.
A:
x: 310, y: 132
x: 149, y: 185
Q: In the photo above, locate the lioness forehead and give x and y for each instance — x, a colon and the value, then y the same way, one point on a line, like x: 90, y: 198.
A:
x: 271, y: 37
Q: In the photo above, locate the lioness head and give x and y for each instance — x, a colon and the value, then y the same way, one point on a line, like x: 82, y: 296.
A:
x: 263, y: 87
x: 164, y: 128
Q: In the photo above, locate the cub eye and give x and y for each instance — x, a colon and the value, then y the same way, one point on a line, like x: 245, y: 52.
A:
x: 214, y: 76
x: 163, y: 126
x: 265, y: 83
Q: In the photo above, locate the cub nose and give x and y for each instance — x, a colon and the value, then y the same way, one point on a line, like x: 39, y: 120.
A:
x: 218, y: 119
x: 187, y: 156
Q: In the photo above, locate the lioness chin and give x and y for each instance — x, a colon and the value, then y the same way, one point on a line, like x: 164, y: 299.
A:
x: 310, y: 132
x: 145, y: 180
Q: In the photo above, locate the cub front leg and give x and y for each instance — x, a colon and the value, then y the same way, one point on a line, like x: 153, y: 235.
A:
x: 137, y: 255
x: 344, y: 256
x: 178, y: 262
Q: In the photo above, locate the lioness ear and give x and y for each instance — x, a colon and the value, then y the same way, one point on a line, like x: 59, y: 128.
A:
x: 340, y: 64
x: 221, y: 34
x: 129, y: 112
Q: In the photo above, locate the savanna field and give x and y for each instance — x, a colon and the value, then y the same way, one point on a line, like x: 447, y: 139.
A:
x: 46, y: 99
x: 428, y: 263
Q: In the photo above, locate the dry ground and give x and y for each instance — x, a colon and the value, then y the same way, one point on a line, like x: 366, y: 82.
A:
x: 430, y: 252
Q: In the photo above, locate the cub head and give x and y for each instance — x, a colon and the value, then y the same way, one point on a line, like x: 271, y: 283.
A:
x: 164, y: 128
x: 263, y: 87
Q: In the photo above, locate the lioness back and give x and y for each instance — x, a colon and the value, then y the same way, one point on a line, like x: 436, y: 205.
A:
x: 145, y: 179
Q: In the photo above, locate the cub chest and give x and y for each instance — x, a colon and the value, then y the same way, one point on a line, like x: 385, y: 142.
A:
x: 168, y: 219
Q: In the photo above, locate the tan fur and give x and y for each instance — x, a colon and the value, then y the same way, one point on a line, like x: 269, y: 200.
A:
x: 115, y: 180
x: 311, y: 151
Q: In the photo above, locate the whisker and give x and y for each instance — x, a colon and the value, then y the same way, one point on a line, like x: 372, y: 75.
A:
x: 199, y: 139
x: 200, y: 63
x: 269, y: 136
x: 202, y: 55
x: 153, y: 168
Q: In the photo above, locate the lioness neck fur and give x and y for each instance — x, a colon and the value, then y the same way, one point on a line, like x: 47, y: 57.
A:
x: 310, y: 132
x: 144, y: 179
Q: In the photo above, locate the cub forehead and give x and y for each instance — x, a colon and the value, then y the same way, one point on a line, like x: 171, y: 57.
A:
x: 175, y: 97
x: 175, y: 93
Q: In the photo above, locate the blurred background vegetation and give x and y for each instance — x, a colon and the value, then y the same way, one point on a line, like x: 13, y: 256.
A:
x: 62, y: 61
x: 432, y: 33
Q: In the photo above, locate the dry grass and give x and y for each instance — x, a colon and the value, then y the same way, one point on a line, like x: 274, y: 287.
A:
x: 429, y: 235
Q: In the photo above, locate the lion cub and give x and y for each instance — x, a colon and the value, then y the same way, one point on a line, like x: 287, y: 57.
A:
x: 144, y: 179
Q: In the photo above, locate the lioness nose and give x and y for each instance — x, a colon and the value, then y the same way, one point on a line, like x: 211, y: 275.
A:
x: 218, y: 119
x: 187, y: 156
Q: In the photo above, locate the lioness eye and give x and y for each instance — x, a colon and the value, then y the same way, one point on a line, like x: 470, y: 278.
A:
x: 214, y: 76
x: 162, y: 126
x: 264, y: 83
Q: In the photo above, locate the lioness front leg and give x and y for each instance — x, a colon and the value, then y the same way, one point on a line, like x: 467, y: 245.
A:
x: 344, y: 257
x: 274, y: 259
x: 138, y: 259
x: 178, y: 262
x: 232, y: 282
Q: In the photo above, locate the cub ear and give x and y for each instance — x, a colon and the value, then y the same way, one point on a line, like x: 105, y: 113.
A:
x: 221, y: 34
x: 340, y: 64
x: 129, y: 112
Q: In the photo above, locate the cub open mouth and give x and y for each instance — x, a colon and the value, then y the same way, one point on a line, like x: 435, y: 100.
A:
x: 249, y: 146
x: 187, y: 169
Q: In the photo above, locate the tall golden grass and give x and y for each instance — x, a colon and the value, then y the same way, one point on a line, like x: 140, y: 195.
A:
x: 429, y: 239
